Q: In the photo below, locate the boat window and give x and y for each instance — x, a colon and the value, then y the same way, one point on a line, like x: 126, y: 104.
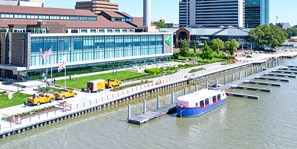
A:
x: 219, y: 96
x: 196, y: 104
x: 201, y: 103
x: 214, y: 100
x: 206, y: 101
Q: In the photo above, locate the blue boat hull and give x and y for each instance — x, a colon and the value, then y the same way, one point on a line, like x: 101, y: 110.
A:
x: 190, y: 112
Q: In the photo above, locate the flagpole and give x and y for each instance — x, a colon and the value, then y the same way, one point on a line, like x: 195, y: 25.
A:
x: 65, y: 74
x: 51, y: 72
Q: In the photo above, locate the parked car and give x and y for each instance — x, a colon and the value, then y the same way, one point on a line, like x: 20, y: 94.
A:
x: 65, y: 94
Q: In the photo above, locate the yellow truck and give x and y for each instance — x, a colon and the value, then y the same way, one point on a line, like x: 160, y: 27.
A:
x: 41, y: 98
x: 65, y: 94
x: 96, y: 86
x: 112, y: 83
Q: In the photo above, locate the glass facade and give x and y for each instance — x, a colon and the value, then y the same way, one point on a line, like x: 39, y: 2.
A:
x: 94, y: 48
x: 256, y: 13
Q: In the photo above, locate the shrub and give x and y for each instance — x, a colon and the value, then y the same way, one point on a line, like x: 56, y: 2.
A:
x: 153, y: 70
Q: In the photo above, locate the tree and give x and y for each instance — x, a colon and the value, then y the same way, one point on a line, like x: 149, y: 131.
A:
x: 217, y: 44
x: 292, y: 31
x: 195, y: 46
x: 184, y: 48
x: 232, y: 46
x: 160, y: 24
x: 268, y: 35
x: 206, y: 52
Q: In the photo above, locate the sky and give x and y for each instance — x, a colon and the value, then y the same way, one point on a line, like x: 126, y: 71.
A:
x: 168, y: 9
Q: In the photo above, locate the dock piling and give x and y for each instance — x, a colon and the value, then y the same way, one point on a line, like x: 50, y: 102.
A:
x: 216, y: 83
x: 144, y: 106
x: 225, y: 79
x: 196, y: 87
x: 246, y: 73
x: 206, y: 84
x: 158, y: 102
x: 129, y: 111
x: 233, y: 77
x: 172, y: 97
x: 239, y: 75
x: 185, y: 92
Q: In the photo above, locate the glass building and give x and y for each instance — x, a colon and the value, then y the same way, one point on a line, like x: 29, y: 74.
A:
x: 256, y: 13
x: 81, y: 49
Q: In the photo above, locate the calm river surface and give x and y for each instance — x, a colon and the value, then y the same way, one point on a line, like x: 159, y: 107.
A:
x: 270, y: 122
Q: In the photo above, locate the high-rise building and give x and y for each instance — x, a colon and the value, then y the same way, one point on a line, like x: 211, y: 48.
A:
x: 32, y: 3
x: 212, y: 13
x: 97, y: 6
x: 256, y: 13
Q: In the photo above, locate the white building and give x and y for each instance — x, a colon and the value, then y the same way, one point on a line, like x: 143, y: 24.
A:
x: 213, y: 13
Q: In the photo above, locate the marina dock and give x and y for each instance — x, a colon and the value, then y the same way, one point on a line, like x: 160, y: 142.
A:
x: 242, y: 95
x: 251, y: 88
x: 272, y: 79
x: 263, y: 83
x: 280, y: 75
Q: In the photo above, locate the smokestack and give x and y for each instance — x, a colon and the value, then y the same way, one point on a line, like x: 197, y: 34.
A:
x: 147, y: 13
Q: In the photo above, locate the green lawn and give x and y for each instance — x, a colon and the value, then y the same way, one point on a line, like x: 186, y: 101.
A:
x: 81, y: 82
x: 48, y: 89
x: 18, y: 98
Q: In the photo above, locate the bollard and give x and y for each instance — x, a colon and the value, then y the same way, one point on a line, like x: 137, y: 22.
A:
x: 185, y: 91
x: 129, y: 112
x: 233, y: 77
x: 144, y: 106
x: 196, y: 87
x: 172, y: 97
x: 158, y: 102
x: 225, y: 79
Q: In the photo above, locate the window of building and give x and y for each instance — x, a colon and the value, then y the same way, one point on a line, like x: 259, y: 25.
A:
x: 64, y: 18
x: 83, y: 31
x: 92, y: 18
x: 32, y: 16
x: 131, y: 30
x: 124, y: 31
x: 109, y: 31
x: 73, y: 18
x: 74, y: 31
x: 93, y: 30
x: 54, y: 17
x: 117, y: 31
x: 83, y: 18
x: 101, y: 31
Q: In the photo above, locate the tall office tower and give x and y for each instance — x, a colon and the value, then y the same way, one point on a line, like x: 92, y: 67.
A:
x: 97, y: 6
x: 256, y: 13
x: 34, y: 3
x: 211, y: 13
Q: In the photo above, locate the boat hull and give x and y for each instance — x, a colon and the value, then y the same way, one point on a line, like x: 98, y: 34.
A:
x: 190, y: 112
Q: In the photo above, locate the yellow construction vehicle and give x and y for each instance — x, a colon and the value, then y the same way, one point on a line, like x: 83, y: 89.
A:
x: 65, y: 94
x: 112, y: 83
x: 42, y: 98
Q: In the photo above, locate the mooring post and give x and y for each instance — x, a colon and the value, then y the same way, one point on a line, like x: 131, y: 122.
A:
x: 216, y: 83
x: 225, y: 79
x: 246, y: 73
x: 206, y: 84
x: 196, y: 87
x: 232, y: 77
x: 257, y: 69
x: 129, y: 112
x: 172, y: 97
x: 158, y: 102
x: 185, y: 92
x: 261, y: 67
x: 239, y: 75
x: 144, y: 106
x: 252, y: 70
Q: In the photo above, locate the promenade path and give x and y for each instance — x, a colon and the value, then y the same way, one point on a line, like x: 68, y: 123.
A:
x: 86, y: 100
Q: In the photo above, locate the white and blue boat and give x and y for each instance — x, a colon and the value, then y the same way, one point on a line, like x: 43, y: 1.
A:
x: 200, y: 102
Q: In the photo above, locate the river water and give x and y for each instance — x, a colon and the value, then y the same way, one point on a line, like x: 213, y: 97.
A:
x: 270, y: 122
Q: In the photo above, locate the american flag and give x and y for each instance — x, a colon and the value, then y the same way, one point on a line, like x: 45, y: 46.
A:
x: 47, y: 53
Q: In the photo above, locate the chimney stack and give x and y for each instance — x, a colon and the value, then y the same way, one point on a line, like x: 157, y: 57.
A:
x: 147, y: 13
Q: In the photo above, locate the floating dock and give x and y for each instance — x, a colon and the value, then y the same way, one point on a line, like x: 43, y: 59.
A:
x: 251, y: 88
x: 290, y: 69
x: 272, y: 79
x: 242, y: 95
x: 145, y: 117
x: 263, y: 83
x: 285, y: 71
x: 280, y: 75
